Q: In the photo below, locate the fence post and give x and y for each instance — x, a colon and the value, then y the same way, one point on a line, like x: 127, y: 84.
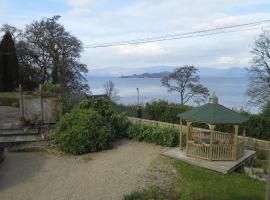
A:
x: 21, y: 101
x: 267, y: 193
x: 41, y: 103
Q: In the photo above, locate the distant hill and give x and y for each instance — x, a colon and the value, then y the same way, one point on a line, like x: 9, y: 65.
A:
x: 203, y: 72
x: 147, y: 75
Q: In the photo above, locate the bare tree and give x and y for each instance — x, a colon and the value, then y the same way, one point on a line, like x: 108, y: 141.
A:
x: 185, y: 81
x: 55, y: 53
x: 111, y: 91
x: 259, y: 71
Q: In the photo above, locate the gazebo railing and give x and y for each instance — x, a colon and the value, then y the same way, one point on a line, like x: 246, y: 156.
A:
x: 223, y: 148
x: 198, y: 150
x: 197, y: 135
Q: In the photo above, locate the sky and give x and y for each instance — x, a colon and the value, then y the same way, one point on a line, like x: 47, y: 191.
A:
x: 99, y: 21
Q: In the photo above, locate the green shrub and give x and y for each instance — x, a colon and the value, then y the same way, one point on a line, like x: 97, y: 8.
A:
x: 81, y: 131
x: 119, y: 125
x: 159, y: 135
x: 102, y: 105
x: 163, y: 111
x: 65, y: 105
x: 118, y: 122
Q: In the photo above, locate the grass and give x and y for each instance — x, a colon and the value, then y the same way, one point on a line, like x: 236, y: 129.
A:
x: 195, y: 183
x: 9, y: 95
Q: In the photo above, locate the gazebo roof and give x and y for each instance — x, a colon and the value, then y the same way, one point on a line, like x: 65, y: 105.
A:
x: 213, y: 113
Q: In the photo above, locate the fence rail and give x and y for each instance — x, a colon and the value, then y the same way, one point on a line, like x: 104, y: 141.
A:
x: 250, y: 143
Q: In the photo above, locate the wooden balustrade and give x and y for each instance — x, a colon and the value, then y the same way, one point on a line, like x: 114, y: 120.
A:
x: 198, y: 150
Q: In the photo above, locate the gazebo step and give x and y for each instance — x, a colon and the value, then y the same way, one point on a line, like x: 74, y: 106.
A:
x: 224, y: 167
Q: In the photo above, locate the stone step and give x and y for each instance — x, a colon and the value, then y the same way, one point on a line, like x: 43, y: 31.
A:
x: 18, y: 132
x: 22, y: 138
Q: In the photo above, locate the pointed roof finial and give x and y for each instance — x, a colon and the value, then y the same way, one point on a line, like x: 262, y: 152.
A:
x: 213, y: 98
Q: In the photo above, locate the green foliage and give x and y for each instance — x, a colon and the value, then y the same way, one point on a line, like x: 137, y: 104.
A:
x: 163, y: 111
x: 89, y: 127
x: 119, y: 125
x: 102, y: 105
x: 196, y: 183
x: 65, y: 105
x: 153, y: 134
x: 130, y: 110
x: 118, y: 122
x: 50, y: 88
x: 81, y: 131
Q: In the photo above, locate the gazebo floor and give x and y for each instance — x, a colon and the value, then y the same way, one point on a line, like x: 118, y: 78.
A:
x: 224, y: 167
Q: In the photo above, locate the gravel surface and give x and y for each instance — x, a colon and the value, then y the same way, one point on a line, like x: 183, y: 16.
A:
x: 105, y: 175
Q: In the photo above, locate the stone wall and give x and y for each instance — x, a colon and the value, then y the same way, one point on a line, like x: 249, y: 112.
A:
x: 32, y: 109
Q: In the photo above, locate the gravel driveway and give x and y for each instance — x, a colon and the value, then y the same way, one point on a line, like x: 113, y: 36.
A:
x: 105, y: 175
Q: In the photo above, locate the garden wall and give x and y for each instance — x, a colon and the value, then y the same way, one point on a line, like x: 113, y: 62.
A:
x: 35, y: 108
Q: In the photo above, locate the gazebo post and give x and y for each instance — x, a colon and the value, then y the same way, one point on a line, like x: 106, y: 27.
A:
x: 235, y: 140
x: 211, y: 127
x: 188, y: 133
x: 181, y: 134
x: 244, y: 136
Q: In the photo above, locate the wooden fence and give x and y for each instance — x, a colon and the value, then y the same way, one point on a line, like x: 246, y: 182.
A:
x: 250, y: 143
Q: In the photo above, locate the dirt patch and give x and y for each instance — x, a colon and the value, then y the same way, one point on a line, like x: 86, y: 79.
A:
x: 108, y: 174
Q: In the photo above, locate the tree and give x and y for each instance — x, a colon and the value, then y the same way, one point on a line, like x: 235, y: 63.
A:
x: 54, y: 53
x: 8, y: 64
x: 185, y: 81
x: 28, y: 75
x: 15, y: 32
x: 111, y: 91
x: 259, y: 71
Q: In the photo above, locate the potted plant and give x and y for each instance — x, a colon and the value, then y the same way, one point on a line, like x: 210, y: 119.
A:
x: 21, y: 121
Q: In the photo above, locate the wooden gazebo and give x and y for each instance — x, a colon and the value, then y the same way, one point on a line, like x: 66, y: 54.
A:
x: 210, y: 144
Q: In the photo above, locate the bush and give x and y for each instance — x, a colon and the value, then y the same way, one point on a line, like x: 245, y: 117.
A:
x: 119, y: 125
x: 163, y: 111
x: 159, y: 135
x: 118, y: 122
x: 81, y: 131
x: 65, y: 105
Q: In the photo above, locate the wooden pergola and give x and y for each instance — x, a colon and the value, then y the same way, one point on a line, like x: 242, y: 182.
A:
x: 211, y: 144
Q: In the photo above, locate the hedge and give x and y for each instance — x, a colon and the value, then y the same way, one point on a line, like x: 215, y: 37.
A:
x: 159, y: 135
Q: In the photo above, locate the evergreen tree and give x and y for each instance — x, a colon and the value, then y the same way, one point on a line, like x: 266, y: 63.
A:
x: 8, y: 64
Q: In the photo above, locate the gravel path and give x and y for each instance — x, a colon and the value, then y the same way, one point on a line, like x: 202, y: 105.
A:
x: 104, y: 175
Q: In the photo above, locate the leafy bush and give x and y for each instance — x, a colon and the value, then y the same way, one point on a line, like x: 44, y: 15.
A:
x: 118, y: 122
x: 163, y: 111
x: 48, y: 88
x: 65, y: 105
x: 81, y: 131
x: 153, y: 134
x: 119, y: 125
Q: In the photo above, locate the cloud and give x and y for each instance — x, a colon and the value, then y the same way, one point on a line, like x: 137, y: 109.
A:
x: 232, y: 61
x: 81, y: 7
x: 105, y: 21
x: 149, y: 49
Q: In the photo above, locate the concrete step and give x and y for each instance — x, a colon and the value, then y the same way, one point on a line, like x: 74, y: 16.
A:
x: 22, y: 138
x: 18, y: 132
